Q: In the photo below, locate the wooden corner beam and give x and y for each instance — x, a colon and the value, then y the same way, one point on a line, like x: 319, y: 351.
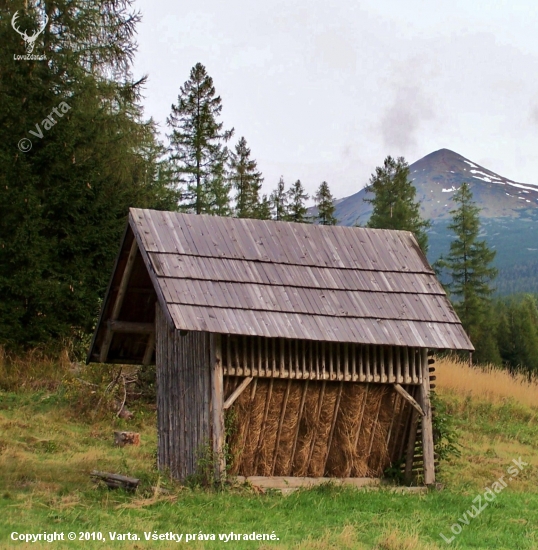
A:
x: 409, y: 399
x: 237, y: 392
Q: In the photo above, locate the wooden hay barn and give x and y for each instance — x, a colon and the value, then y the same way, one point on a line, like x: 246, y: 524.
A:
x: 311, y: 341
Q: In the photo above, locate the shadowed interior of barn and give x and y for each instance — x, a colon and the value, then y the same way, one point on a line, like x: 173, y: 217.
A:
x: 284, y: 349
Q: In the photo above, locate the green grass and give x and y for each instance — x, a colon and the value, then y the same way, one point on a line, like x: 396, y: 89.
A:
x: 47, y: 452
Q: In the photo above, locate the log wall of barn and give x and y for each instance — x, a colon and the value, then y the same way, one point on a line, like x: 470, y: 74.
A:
x: 183, y: 397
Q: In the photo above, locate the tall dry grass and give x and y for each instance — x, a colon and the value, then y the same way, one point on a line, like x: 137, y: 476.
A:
x: 33, y: 370
x: 484, y: 382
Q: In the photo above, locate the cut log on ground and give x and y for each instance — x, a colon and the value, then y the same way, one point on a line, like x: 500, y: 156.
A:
x: 116, y: 481
x: 126, y: 438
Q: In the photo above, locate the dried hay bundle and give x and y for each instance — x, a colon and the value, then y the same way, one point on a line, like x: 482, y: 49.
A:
x: 366, y: 429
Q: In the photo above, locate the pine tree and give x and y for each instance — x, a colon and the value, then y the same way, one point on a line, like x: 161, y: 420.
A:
x: 246, y: 180
x: 325, y: 205
x: 517, y: 334
x: 218, y: 190
x: 64, y: 202
x: 197, y: 140
x: 279, y: 201
x: 468, y: 265
x: 263, y: 210
x: 394, y: 205
x: 297, y: 210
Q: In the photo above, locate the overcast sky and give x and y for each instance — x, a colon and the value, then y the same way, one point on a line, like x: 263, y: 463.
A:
x: 325, y: 92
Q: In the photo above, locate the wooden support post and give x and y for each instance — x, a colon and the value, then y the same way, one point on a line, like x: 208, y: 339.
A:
x: 393, y: 415
x: 282, y: 362
x: 407, y: 376
x: 333, y: 424
x: 301, y: 408
x: 362, y: 372
x: 427, y: 428
x: 150, y: 346
x: 217, y: 407
x: 318, y: 416
x: 297, y: 362
x: 361, y: 416
x: 259, y: 342
x: 374, y: 427
x: 383, y: 364
x: 264, y: 422
x: 237, y: 392
x: 280, y: 423
x: 353, y: 348
x: 410, y: 400
x: 252, y: 364
x: 366, y: 363
x: 273, y: 358
x: 229, y: 359
x: 398, y: 359
x: 119, y: 299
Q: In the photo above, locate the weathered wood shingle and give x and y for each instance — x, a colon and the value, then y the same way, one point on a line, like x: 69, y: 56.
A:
x: 275, y: 279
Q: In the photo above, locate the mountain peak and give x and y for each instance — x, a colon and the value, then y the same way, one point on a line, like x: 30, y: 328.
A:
x: 438, y: 175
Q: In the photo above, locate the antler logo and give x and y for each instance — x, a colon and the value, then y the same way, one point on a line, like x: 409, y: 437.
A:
x: 30, y: 40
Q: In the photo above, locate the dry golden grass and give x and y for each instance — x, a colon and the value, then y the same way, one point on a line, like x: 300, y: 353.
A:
x: 487, y: 383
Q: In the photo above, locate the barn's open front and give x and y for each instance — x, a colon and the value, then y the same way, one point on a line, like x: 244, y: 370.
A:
x: 285, y: 349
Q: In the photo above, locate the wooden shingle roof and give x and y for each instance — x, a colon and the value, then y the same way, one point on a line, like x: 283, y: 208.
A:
x: 289, y: 280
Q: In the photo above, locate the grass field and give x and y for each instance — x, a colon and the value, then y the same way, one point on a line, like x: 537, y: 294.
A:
x: 48, y: 446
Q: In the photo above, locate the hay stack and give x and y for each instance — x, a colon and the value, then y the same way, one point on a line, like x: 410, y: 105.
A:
x: 318, y: 429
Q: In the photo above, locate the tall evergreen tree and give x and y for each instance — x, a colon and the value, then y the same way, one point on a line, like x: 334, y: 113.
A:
x: 297, y: 210
x: 217, y: 194
x: 279, y: 201
x: 197, y: 140
x: 517, y: 334
x: 246, y: 180
x: 64, y: 201
x: 325, y: 205
x: 468, y: 265
x: 263, y: 211
x: 394, y: 205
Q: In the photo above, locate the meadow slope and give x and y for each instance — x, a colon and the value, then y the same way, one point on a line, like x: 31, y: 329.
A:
x: 49, y: 443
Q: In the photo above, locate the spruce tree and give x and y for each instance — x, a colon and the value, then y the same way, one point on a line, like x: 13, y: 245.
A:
x: 297, y: 210
x: 325, y: 205
x: 468, y: 266
x: 197, y: 141
x: 64, y: 202
x: 217, y: 194
x: 279, y: 201
x: 246, y: 180
x: 394, y: 205
x: 263, y: 211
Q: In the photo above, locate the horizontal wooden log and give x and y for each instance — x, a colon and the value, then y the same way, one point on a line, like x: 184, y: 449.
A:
x: 407, y: 397
x: 130, y: 327
x: 115, y: 481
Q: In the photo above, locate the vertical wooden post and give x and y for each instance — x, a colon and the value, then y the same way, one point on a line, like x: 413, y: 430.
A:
x: 217, y: 407
x: 427, y: 428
